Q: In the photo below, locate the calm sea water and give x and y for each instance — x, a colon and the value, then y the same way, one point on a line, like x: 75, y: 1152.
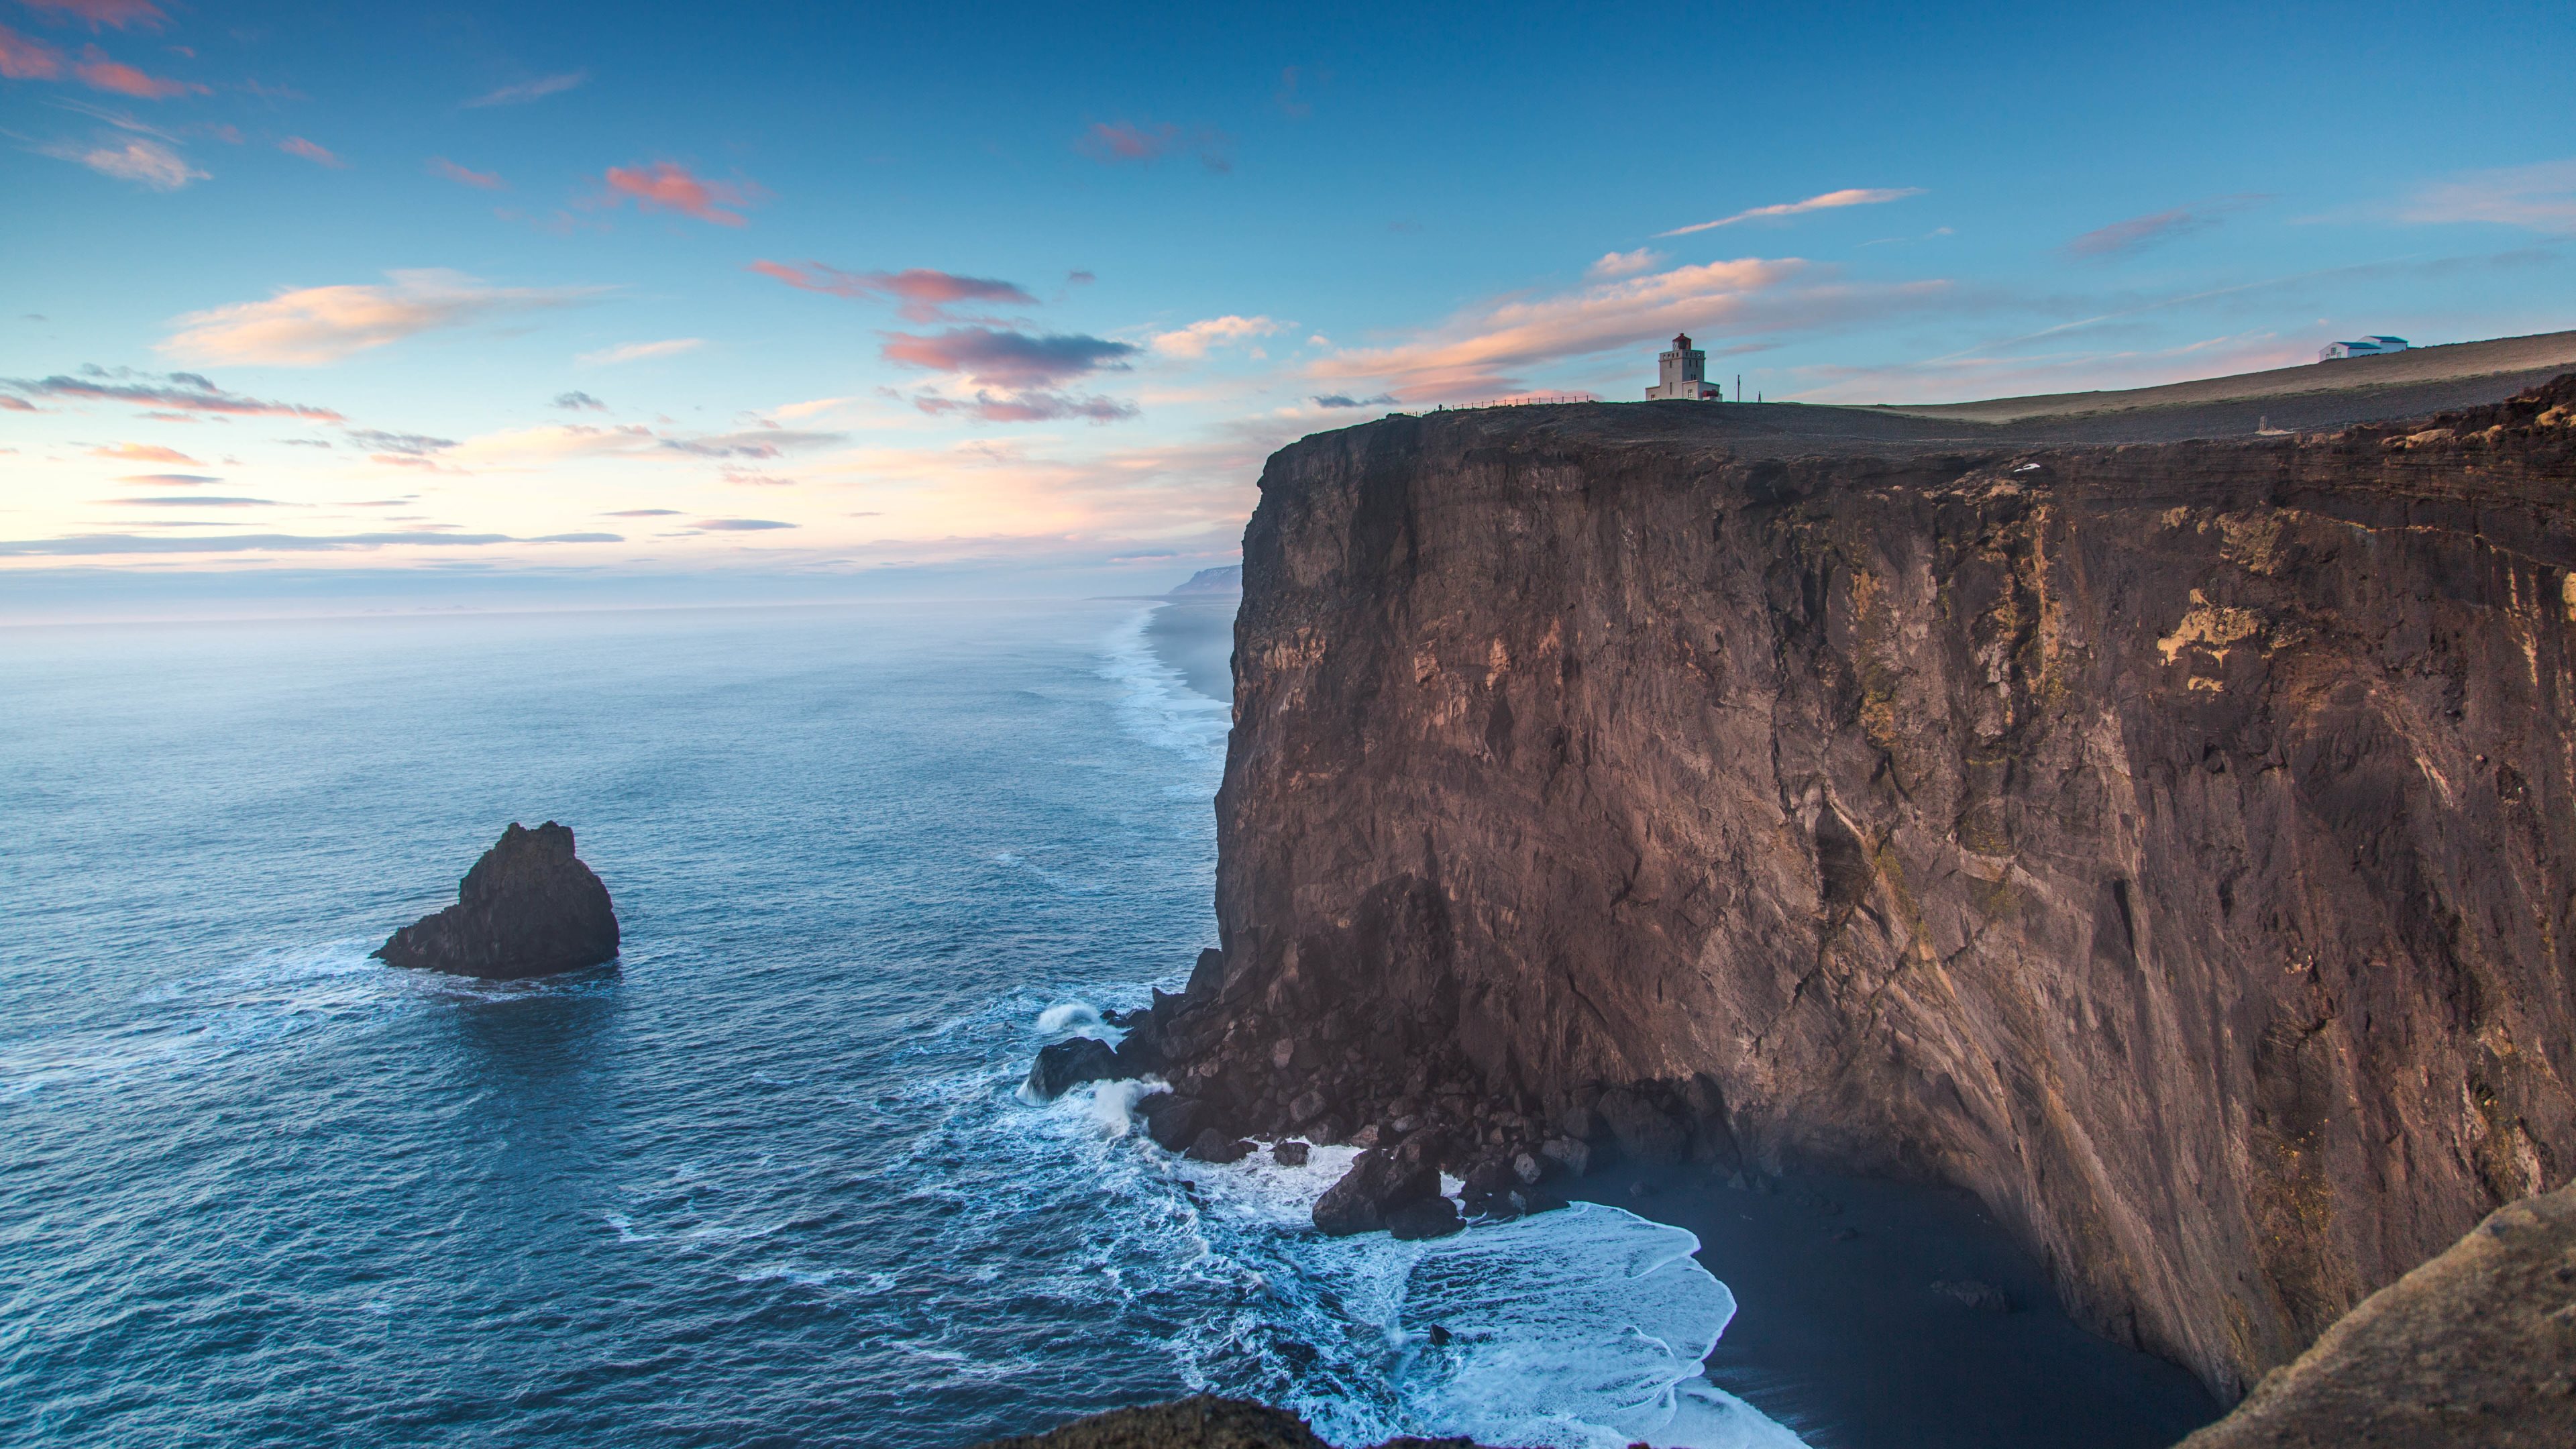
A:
x: 767, y: 1180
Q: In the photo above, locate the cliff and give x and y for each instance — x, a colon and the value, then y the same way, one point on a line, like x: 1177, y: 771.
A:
x: 2172, y: 844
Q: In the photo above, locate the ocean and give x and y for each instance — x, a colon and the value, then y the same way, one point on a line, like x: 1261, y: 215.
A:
x: 768, y: 1179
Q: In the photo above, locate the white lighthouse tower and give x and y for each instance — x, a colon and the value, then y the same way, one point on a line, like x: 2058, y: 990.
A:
x: 1685, y: 370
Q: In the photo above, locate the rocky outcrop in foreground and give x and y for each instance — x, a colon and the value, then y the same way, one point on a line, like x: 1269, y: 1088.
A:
x: 529, y: 907
x: 2175, y: 845
x: 1205, y: 1422
x: 2474, y: 1350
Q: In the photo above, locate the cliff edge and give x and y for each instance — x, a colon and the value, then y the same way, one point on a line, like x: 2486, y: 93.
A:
x: 2173, y: 844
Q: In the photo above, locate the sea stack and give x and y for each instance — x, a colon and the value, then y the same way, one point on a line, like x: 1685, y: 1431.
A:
x: 529, y: 907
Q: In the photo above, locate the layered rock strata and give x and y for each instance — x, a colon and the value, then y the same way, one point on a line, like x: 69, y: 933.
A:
x: 529, y: 907
x: 2173, y: 844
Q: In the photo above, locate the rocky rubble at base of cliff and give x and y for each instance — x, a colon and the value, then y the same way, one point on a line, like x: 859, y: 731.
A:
x: 2172, y: 844
x: 1204, y: 1422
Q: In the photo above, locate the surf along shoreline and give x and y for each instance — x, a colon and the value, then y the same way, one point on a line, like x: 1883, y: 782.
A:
x: 1840, y: 1332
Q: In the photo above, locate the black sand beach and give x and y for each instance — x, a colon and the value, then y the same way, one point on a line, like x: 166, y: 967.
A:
x: 1195, y: 635
x: 1840, y: 1334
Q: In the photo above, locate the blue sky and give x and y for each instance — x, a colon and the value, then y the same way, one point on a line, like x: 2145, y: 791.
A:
x: 624, y: 303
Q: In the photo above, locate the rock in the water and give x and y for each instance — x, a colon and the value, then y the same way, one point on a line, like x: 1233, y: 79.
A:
x: 1381, y: 1180
x: 1290, y: 1154
x: 1430, y: 1217
x: 1214, y: 1146
x: 529, y: 907
x: 1570, y: 1154
x: 1069, y: 1064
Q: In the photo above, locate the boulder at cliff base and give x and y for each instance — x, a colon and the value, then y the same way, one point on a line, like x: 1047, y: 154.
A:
x: 529, y: 907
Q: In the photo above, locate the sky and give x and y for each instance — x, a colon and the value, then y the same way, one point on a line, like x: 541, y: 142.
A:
x: 356, y: 307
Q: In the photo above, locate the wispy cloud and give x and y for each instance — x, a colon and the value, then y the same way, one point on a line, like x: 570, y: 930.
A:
x: 2137, y: 233
x: 171, y: 480
x: 1112, y: 142
x: 1625, y: 264
x: 1828, y: 201
x: 318, y: 155
x: 311, y: 326
x: 922, y: 292
x: 99, y: 72
x: 144, y: 453
x: 440, y: 166
x: 138, y: 159
x: 189, y: 500
x: 1345, y: 400
x: 640, y: 351
x: 416, y: 445
x: 1195, y: 339
x: 25, y: 59
x: 180, y: 392
x: 741, y: 525
x: 99, y: 544
x: 2541, y: 197
x: 103, y: 14
x: 526, y: 91
x: 669, y: 186
x: 643, y: 513
x: 1031, y: 406
x: 579, y: 402
x: 1487, y: 348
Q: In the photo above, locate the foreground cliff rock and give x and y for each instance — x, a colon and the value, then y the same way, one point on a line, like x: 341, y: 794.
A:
x: 2475, y: 1348
x: 529, y: 907
x: 2173, y: 844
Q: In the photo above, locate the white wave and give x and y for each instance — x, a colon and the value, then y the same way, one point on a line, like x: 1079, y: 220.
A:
x: 1068, y: 1015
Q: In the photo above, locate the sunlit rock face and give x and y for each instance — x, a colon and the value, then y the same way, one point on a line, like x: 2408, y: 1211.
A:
x: 2173, y: 844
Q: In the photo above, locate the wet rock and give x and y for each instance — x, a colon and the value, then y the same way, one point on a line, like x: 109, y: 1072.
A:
x: 1172, y: 1120
x: 1571, y: 1155
x: 1214, y: 1146
x: 529, y: 907
x: 1430, y: 1217
x: 1981, y: 1296
x: 1289, y: 1154
x: 1380, y: 1181
x: 1487, y: 1191
x: 1526, y: 1168
x: 1070, y: 1063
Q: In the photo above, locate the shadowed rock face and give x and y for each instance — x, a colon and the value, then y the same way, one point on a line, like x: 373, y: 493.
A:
x: 1205, y: 1422
x: 527, y: 908
x: 2172, y: 844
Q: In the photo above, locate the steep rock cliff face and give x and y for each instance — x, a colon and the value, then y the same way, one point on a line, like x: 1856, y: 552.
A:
x: 2173, y: 844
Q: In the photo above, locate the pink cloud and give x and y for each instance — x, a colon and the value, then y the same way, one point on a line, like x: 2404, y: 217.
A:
x: 1007, y: 359
x: 1111, y: 142
x: 922, y: 291
x: 2541, y: 197
x: 1029, y: 407
x: 101, y: 73
x: 24, y: 59
x: 122, y: 14
x: 145, y: 453
x: 668, y: 186
x: 466, y: 176
x: 320, y: 156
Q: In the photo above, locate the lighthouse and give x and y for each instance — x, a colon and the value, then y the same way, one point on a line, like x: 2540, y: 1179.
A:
x: 1685, y: 370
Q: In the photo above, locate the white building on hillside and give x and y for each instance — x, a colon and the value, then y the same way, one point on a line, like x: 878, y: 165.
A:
x: 2366, y: 347
x: 1685, y: 374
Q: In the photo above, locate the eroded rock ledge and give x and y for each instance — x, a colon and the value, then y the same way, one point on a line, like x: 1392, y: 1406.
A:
x: 2173, y: 844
